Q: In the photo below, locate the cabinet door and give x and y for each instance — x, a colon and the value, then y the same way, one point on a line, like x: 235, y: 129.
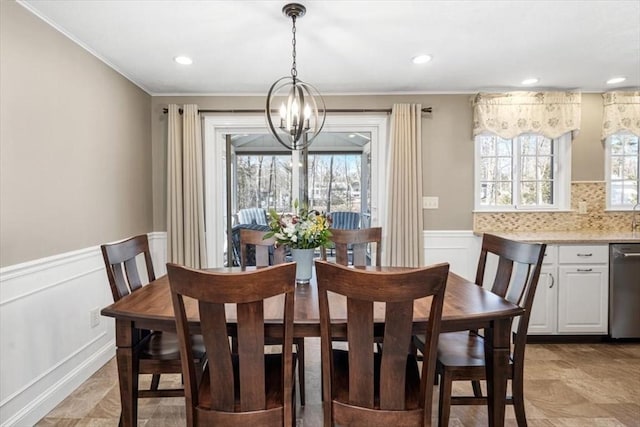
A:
x: 583, y: 299
x: 544, y: 310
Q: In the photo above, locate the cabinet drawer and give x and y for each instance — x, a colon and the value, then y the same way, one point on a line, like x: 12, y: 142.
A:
x: 579, y: 254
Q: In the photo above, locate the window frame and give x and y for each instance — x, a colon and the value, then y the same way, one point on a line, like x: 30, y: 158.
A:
x: 561, y: 182
x: 608, y: 178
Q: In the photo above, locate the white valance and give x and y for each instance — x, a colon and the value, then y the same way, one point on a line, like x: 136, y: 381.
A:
x: 508, y: 115
x: 621, y: 113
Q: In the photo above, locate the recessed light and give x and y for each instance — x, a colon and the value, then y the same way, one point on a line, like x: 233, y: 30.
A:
x: 183, y: 60
x: 616, y: 80
x: 421, y: 59
x: 530, y: 81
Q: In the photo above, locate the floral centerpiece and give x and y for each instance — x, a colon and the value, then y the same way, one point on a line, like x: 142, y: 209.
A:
x: 306, y: 229
x: 302, y: 232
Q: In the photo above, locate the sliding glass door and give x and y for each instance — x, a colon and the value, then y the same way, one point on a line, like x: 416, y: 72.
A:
x: 245, y: 168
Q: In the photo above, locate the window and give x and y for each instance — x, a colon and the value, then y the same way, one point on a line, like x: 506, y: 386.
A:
x: 622, y: 170
x: 529, y: 172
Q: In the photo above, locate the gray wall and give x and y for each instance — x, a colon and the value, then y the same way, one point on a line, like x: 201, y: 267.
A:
x: 75, y: 145
x: 447, y: 148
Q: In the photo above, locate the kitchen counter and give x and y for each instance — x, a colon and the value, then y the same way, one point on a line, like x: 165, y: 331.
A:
x: 560, y: 237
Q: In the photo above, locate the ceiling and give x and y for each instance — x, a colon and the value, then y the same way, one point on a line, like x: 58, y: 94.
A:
x: 358, y: 47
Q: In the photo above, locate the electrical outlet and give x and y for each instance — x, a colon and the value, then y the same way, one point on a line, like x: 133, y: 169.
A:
x: 94, y: 317
x: 430, y: 202
x: 582, y: 208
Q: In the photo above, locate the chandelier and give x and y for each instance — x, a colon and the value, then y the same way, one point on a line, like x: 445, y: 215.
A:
x: 298, y: 105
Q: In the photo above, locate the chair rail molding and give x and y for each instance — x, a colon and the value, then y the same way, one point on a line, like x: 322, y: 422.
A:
x: 49, y: 346
x: 460, y: 248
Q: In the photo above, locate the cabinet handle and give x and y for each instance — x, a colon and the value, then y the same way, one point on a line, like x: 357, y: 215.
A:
x: 584, y: 269
x: 553, y: 280
x: 585, y: 255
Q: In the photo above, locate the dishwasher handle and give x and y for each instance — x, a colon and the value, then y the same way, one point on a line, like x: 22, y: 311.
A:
x: 630, y: 255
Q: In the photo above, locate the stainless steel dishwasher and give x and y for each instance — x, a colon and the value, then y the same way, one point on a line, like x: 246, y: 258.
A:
x: 624, y: 290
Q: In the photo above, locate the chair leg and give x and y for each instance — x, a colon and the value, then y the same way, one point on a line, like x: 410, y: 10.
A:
x: 477, y: 390
x: 155, y: 381
x: 518, y: 401
x: 444, y: 403
x: 300, y: 351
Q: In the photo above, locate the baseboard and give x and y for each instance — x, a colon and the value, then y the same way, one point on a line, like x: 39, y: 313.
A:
x: 43, y: 404
x: 567, y: 339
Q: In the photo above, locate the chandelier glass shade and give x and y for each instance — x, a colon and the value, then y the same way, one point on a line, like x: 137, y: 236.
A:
x: 295, y: 110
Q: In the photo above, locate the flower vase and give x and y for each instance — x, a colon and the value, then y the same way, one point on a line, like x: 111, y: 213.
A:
x: 304, y: 261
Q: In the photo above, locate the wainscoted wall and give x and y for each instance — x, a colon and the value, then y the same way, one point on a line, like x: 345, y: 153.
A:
x: 459, y: 248
x: 596, y: 218
x: 48, y: 347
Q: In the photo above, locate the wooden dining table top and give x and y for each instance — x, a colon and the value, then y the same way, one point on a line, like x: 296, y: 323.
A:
x: 466, y: 306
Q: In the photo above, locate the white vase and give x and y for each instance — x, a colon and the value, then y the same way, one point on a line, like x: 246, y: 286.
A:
x: 304, y: 261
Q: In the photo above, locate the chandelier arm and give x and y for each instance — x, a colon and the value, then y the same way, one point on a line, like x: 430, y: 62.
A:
x: 295, y: 131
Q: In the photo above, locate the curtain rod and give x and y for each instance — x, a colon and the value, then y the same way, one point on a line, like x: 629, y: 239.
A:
x: 340, y: 110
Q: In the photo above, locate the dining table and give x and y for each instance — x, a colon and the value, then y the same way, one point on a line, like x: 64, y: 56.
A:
x: 467, y: 306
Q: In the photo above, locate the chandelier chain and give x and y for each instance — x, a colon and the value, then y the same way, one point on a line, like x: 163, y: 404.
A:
x: 294, y: 71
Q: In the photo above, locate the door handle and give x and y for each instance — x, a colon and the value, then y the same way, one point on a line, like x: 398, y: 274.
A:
x: 553, y: 280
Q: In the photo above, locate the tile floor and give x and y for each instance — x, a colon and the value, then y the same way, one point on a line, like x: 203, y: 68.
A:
x: 568, y: 385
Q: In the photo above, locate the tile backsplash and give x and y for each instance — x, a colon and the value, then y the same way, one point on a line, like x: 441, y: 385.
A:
x: 596, y: 219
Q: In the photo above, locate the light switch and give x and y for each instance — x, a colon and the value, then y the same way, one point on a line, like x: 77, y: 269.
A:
x: 430, y: 202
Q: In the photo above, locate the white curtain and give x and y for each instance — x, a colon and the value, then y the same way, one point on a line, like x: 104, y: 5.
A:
x: 185, y: 196
x: 621, y: 113
x: 508, y: 115
x: 404, y: 225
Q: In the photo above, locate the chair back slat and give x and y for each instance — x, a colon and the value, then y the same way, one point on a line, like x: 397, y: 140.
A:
x: 398, y: 320
x: 246, y: 291
x: 361, y: 243
x: 502, y: 279
x: 251, y: 355
x: 214, y: 325
x: 264, y: 248
x: 360, y: 338
x: 120, y: 260
x: 398, y: 291
x: 131, y: 268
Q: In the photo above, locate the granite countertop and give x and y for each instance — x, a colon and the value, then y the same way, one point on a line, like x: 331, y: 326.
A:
x: 569, y: 236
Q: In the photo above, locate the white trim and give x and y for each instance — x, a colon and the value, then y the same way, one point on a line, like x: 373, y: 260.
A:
x: 460, y: 248
x: 37, y: 374
x: 39, y: 407
x: 561, y: 181
x: 607, y: 174
x: 50, y: 285
x: 216, y: 126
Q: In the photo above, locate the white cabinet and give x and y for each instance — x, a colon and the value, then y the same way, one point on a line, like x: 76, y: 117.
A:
x: 572, y: 293
x: 544, y: 315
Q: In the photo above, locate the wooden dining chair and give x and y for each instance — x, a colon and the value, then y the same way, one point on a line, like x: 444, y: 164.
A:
x: 356, y: 243
x: 247, y: 388
x: 461, y: 354
x: 159, y: 352
x: 369, y: 388
x: 267, y: 253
